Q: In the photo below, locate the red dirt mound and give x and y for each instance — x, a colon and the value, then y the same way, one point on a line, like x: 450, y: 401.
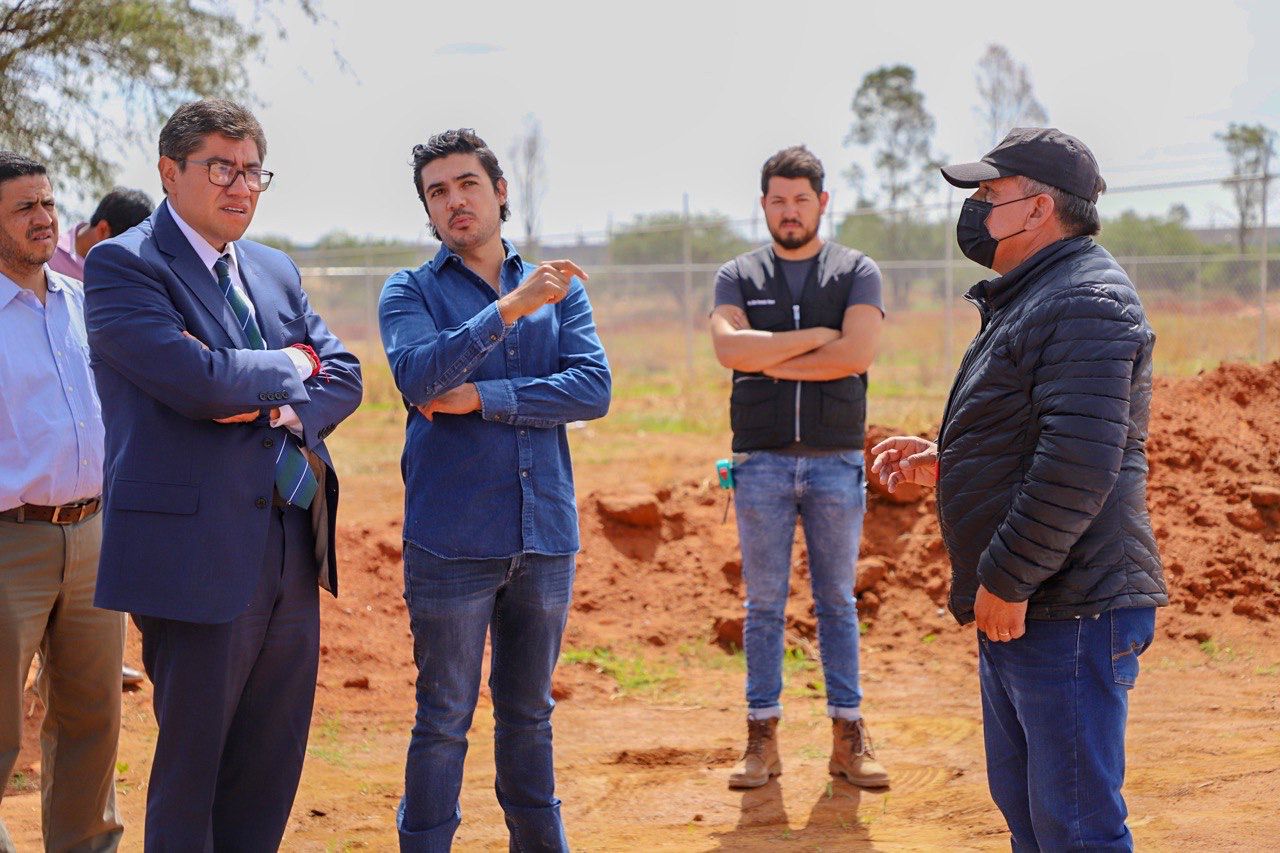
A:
x: 1215, y: 489
x: 1214, y: 499
x: 663, y: 568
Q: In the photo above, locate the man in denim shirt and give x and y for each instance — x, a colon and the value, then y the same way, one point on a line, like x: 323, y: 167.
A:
x: 798, y: 322
x: 494, y: 356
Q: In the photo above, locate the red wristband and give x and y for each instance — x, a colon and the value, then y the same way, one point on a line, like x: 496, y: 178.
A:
x: 311, y: 356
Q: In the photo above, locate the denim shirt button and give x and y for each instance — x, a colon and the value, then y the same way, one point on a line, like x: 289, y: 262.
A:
x: 524, y: 432
x: 524, y: 473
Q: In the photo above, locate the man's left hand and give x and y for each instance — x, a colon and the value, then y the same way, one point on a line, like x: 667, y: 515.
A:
x: 1000, y: 620
x: 462, y: 400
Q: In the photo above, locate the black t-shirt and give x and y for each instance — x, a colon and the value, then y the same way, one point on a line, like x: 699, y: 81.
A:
x: 796, y: 273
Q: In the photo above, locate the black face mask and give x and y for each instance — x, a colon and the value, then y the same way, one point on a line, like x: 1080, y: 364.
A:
x: 976, y: 242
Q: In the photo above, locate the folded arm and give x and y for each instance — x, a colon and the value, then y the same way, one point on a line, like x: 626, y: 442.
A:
x: 134, y: 327
x: 336, y: 390
x: 579, y: 390
x: 740, y: 347
x: 848, y: 355
x: 426, y: 360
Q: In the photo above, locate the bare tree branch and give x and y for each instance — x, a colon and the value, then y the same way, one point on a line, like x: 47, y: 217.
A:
x: 528, y: 170
x: 1007, y: 98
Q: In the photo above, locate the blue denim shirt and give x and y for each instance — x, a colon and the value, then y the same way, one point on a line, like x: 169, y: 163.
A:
x: 498, y: 482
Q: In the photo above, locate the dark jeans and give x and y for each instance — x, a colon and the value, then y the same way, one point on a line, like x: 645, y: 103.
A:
x: 1054, y: 705
x: 522, y: 603
x: 233, y: 705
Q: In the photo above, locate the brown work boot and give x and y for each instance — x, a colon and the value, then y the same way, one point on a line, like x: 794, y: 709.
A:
x: 761, y: 761
x: 851, y: 755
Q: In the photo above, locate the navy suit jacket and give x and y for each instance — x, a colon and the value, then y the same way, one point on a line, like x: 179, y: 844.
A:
x: 187, y: 501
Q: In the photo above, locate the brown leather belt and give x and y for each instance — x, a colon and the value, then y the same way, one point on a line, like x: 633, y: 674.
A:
x: 65, y: 514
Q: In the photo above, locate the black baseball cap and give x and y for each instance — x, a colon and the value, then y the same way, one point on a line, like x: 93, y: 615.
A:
x: 1044, y: 154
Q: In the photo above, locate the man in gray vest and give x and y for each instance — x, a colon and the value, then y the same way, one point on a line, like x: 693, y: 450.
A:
x: 798, y: 322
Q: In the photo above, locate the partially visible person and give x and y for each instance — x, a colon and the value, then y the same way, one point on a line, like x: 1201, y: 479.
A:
x: 494, y: 355
x: 219, y: 384
x: 1041, y: 471
x: 798, y: 322
x: 51, y: 452
x: 117, y: 212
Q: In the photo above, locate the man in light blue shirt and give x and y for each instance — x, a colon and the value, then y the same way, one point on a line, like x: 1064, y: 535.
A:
x: 51, y: 453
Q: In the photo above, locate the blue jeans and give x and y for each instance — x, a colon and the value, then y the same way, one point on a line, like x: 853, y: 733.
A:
x: 828, y: 493
x: 1054, y: 705
x: 522, y: 602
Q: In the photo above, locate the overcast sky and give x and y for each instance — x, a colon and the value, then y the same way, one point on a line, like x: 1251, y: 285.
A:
x: 641, y: 102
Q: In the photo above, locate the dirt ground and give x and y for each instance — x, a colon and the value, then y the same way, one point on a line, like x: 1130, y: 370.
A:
x: 650, y: 715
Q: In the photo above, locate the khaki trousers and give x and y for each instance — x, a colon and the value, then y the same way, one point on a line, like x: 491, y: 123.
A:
x: 47, y: 578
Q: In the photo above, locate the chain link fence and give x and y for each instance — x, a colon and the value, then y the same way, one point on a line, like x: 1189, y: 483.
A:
x: 1204, y: 278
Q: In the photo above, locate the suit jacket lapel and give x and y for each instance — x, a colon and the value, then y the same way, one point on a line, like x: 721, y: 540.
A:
x: 189, y: 269
x: 261, y: 293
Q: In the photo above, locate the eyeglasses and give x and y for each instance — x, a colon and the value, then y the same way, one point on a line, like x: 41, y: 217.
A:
x: 224, y: 174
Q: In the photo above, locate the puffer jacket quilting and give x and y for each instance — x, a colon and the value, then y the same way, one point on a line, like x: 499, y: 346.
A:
x: 1043, y: 469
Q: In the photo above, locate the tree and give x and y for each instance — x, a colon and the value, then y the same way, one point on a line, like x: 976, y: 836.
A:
x: 528, y: 173
x: 890, y: 117
x: 79, y: 78
x: 1007, y: 98
x: 1250, y: 147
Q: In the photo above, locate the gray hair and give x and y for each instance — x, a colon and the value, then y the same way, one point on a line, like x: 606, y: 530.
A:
x: 1078, y: 216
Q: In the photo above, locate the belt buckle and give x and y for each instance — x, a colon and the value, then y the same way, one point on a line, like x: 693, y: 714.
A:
x: 74, y: 513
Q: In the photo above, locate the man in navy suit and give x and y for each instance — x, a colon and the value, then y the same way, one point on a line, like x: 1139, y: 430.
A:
x: 219, y: 384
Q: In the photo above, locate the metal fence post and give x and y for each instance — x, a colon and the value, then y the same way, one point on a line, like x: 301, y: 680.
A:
x: 949, y: 294
x: 1262, y: 279
x: 370, y: 298
x: 686, y: 240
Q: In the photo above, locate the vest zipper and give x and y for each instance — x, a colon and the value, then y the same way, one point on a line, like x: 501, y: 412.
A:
x: 795, y: 314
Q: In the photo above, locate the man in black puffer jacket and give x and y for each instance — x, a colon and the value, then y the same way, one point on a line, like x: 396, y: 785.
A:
x: 1041, y: 472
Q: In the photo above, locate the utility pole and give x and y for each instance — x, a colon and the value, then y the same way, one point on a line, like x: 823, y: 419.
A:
x: 1262, y: 279
x: 687, y: 301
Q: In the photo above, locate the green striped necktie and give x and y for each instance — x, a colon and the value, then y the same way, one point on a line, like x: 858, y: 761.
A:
x: 295, y: 481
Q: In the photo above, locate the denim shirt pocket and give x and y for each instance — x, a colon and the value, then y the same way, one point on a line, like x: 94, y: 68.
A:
x: 1131, y: 635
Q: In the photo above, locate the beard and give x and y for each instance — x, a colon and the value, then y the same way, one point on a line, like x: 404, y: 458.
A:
x: 23, y: 255
x: 479, y: 234
x: 796, y: 241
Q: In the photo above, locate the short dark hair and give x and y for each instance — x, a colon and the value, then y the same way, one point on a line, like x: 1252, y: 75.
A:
x: 461, y: 141
x: 192, y: 122
x: 794, y: 162
x: 14, y: 165
x: 1079, y: 216
x: 122, y: 208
